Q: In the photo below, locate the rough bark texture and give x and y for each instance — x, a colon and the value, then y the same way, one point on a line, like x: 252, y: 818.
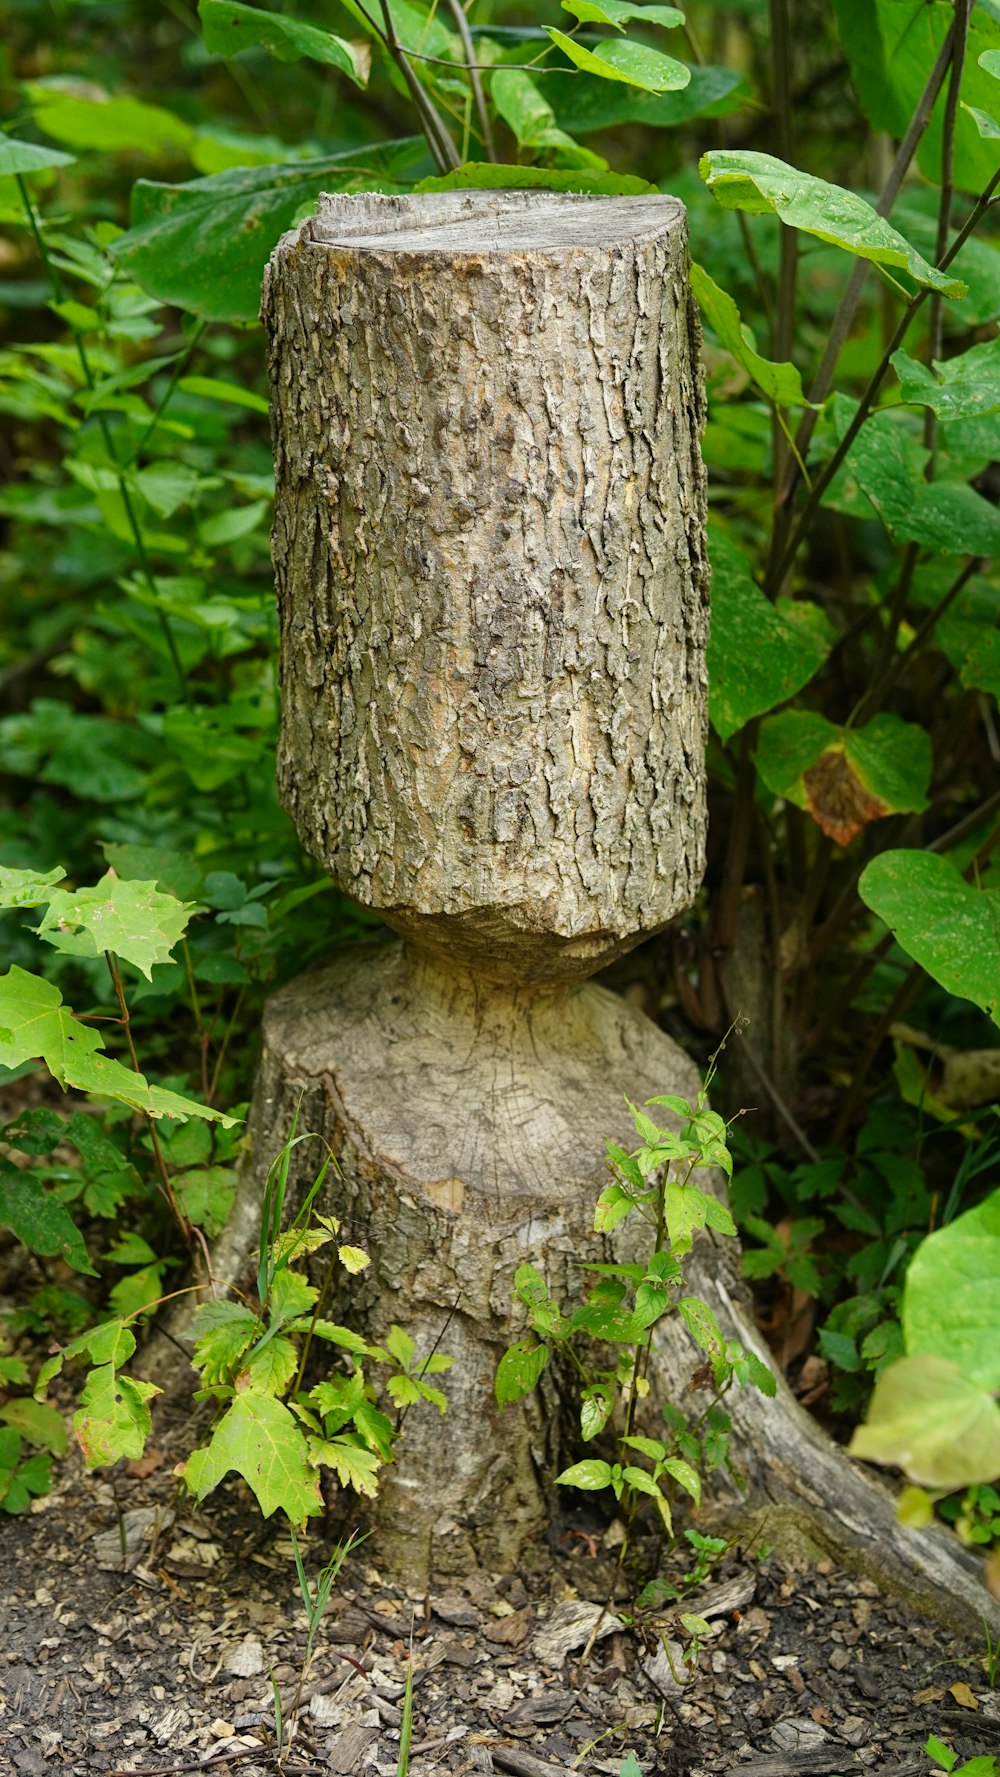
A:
x: 489, y: 548
x: 490, y: 560
x: 469, y: 1125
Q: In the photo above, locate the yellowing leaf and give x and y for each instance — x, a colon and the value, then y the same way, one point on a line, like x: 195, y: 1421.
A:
x: 113, y: 1419
x: 928, y: 1419
x: 963, y: 1695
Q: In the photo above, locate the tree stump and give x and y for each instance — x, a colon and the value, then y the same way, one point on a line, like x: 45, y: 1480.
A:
x: 490, y: 558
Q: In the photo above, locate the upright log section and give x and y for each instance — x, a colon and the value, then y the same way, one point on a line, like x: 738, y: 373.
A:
x: 489, y: 549
x: 490, y: 559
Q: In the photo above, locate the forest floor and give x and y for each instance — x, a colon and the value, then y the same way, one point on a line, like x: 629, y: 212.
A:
x: 139, y: 1635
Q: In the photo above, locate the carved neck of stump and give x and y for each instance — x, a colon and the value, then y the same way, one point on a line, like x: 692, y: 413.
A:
x: 489, y: 548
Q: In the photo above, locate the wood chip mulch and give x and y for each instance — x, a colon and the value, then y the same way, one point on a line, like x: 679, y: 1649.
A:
x: 138, y: 1636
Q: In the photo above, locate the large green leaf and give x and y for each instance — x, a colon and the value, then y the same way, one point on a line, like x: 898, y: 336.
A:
x: 27, y: 888
x: 36, y: 1026
x: 586, y: 104
x: 531, y: 118
x: 480, y: 175
x: 948, y: 926
x: 779, y: 383
x: 962, y: 388
x: 929, y: 1419
x: 622, y: 59
x: 25, y: 157
x: 951, y: 1298
x: 39, y: 1220
x: 111, y: 126
x: 891, y: 46
x: 845, y: 777
x: 228, y: 28
x: 619, y: 12
x: 761, y: 185
x: 132, y: 919
x: 757, y: 657
x: 204, y: 245
x: 262, y: 1441
x: 113, y: 1419
x: 948, y: 518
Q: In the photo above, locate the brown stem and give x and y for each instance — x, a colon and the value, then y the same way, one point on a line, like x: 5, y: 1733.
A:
x: 468, y: 47
x: 849, y: 301
x: 960, y: 29
x: 829, y: 470
x: 741, y: 827
x: 193, y: 1237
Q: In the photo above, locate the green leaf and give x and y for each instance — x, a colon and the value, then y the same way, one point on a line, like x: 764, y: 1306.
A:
x: 778, y: 383
x: 223, y: 1332
x: 485, y: 175
x: 685, y: 1476
x: 131, y: 919
x: 203, y: 245
x: 518, y: 1371
x: 701, y: 1323
x: 113, y: 1417
x: 591, y: 1475
x: 110, y: 126
x: 26, y: 888
x: 39, y: 1220
x: 948, y: 926
x: 206, y: 1196
x: 25, y: 157
x: 932, y: 1421
x: 966, y: 387
x: 986, y: 125
x: 622, y: 59
x: 619, y: 12
x: 38, y: 1423
x: 757, y: 656
x: 584, y: 104
x: 891, y: 45
x: 845, y: 777
x: 270, y: 1368
x: 345, y: 1337
x: 530, y: 117
x: 211, y: 389
x: 595, y: 1411
x: 36, y: 1026
x: 761, y: 185
x: 951, y: 1298
x: 981, y: 666
x: 356, y: 1468
x: 261, y: 1440
x: 229, y: 28
x: 613, y: 1205
x: 887, y: 466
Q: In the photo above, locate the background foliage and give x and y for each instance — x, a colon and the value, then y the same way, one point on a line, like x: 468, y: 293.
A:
x: 852, y: 903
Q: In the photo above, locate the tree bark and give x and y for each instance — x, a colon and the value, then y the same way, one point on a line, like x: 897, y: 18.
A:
x: 489, y: 549
x: 491, y: 570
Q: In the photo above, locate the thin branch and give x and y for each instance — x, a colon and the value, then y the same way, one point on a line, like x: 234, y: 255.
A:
x: 438, y: 140
x: 960, y: 28
x: 829, y: 470
x: 849, y: 301
x: 485, y: 127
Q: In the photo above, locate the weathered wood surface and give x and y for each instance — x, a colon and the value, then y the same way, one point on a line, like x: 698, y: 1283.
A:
x: 469, y: 1124
x: 489, y: 549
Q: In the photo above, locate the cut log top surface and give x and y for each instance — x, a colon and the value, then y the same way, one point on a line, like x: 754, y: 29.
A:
x: 460, y: 222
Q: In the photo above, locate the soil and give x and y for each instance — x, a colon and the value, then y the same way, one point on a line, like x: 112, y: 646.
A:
x: 140, y: 1635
